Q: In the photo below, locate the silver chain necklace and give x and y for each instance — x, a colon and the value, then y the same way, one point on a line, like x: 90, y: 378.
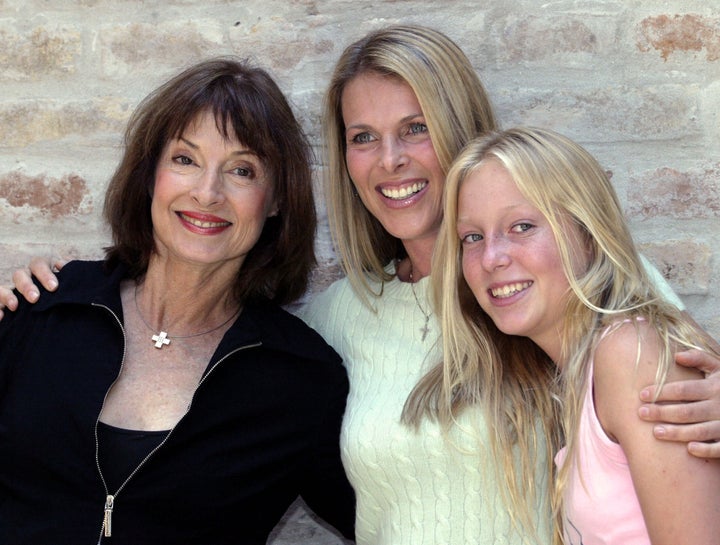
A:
x: 426, y: 327
x: 162, y: 339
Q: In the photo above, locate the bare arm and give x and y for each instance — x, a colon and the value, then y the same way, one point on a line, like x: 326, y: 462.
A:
x: 42, y: 268
x: 688, y: 410
x: 679, y: 494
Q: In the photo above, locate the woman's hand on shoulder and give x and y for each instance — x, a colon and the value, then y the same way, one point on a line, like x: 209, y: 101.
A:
x: 679, y: 493
x: 42, y: 269
x: 688, y: 410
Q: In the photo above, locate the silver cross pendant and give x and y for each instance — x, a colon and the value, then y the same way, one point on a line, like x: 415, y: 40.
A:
x: 160, y: 340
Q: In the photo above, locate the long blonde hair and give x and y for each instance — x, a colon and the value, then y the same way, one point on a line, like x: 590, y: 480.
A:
x: 454, y: 104
x: 568, y: 186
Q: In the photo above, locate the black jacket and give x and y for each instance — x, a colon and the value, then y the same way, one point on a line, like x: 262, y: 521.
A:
x: 262, y: 429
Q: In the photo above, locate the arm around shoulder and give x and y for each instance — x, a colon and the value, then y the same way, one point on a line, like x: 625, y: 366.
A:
x: 679, y: 494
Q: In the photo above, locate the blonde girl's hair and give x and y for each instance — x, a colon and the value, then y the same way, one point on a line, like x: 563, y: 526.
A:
x: 455, y: 107
x: 574, y: 194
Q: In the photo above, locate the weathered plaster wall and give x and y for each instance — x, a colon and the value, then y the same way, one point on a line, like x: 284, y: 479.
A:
x: 637, y: 82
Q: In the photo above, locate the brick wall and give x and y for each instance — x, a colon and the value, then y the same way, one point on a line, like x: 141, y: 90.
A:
x: 637, y: 82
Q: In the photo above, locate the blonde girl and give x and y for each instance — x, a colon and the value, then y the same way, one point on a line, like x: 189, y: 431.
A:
x: 535, y: 242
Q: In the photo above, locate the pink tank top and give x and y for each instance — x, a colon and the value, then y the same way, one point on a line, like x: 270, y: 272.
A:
x: 603, y: 508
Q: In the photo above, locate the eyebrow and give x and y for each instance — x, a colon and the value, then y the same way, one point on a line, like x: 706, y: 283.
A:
x: 403, y: 120
x: 244, y: 151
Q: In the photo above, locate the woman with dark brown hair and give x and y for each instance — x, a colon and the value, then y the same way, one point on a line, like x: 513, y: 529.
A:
x: 163, y: 395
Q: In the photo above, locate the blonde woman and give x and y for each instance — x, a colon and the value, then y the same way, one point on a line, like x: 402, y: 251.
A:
x: 535, y: 244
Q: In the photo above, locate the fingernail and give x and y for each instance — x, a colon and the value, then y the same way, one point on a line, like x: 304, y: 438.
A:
x: 644, y: 412
x: 645, y: 395
x: 659, y: 431
x: 34, y: 295
x: 53, y: 284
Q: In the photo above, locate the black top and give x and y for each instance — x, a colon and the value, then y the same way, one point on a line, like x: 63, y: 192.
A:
x: 262, y: 429
x: 120, y: 451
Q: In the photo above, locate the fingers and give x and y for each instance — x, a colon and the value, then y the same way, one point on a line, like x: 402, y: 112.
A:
x: 683, y: 390
x: 691, y: 390
x: 704, y: 450
x: 7, y: 299
x: 24, y: 284
x: 707, y: 411
x: 704, y: 431
x: 703, y: 439
x: 41, y: 268
x: 698, y: 359
x: 43, y: 271
x: 58, y: 264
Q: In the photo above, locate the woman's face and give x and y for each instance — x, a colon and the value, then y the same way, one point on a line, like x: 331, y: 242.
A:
x: 211, y: 198
x: 510, y: 258
x: 390, y: 156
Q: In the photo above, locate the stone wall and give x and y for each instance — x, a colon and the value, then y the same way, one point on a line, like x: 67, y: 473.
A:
x: 636, y: 81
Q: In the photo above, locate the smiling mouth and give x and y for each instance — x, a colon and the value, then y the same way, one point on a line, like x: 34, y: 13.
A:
x: 509, y: 290
x: 403, y: 192
x: 203, y: 224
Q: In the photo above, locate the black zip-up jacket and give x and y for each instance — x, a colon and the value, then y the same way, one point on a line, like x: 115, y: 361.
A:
x: 263, y: 427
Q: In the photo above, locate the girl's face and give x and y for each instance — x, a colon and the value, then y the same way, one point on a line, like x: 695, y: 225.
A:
x: 390, y: 156
x: 211, y: 198
x: 510, y: 258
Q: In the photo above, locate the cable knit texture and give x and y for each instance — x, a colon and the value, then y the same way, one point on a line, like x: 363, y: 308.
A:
x: 412, y: 487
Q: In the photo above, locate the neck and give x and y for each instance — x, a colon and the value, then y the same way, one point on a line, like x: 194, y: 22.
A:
x: 553, y: 348
x: 183, y: 303
x: 418, y: 260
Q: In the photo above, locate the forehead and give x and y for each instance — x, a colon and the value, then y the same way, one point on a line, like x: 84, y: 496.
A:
x: 487, y: 176
x: 370, y: 95
x: 488, y: 187
x: 206, y: 130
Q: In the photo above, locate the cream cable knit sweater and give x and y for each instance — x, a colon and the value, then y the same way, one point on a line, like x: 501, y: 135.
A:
x: 413, y: 488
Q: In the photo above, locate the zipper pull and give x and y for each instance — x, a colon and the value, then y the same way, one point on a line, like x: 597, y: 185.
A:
x: 107, y: 521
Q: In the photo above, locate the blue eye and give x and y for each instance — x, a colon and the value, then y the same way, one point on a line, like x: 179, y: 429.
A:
x: 472, y: 237
x: 362, y: 138
x: 418, y: 128
x: 523, y: 227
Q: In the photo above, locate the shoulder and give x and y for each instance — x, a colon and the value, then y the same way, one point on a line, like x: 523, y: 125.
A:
x: 627, y: 360
x: 339, y: 290
x: 84, y: 282
x: 624, y: 361
x: 281, y: 330
x: 319, y: 306
x: 77, y: 276
x: 627, y: 352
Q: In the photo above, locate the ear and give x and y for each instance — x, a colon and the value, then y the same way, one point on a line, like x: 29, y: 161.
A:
x: 274, y: 210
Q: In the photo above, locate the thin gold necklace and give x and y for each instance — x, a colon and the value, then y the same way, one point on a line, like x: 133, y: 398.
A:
x: 162, y: 338
x: 426, y: 327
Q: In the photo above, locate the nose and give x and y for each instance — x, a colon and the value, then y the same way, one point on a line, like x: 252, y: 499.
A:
x: 392, y: 154
x: 495, y: 253
x: 207, y: 190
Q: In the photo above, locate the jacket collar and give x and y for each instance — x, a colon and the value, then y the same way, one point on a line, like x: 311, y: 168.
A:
x: 93, y: 282
x: 85, y: 282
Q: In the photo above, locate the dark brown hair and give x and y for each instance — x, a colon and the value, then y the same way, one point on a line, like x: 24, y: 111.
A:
x: 246, y: 103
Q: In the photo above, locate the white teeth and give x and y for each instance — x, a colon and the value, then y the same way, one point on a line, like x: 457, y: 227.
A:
x: 509, y: 289
x: 403, y: 192
x: 203, y: 224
